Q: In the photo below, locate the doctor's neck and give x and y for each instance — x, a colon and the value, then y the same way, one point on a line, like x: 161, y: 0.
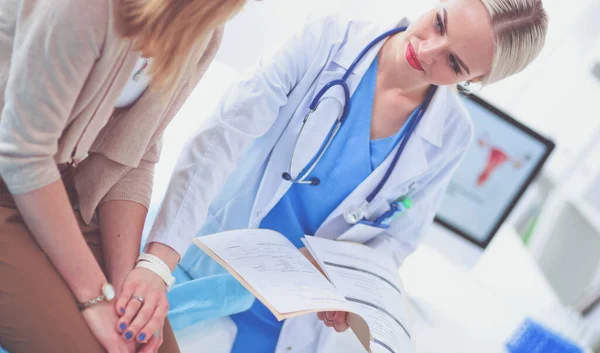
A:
x: 395, y: 75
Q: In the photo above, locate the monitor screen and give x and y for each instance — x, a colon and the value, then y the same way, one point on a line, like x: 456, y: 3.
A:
x: 502, y: 161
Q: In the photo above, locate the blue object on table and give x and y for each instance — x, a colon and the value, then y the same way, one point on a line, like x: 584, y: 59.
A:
x: 2, y: 350
x: 532, y: 337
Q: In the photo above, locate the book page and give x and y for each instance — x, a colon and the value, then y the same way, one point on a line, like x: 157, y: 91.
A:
x: 370, y: 280
x: 276, y: 272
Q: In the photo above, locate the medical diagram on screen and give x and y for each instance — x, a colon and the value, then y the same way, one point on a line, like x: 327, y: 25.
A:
x: 497, y: 157
x: 497, y: 164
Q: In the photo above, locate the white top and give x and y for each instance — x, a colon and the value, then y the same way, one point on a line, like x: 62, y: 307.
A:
x: 137, y: 84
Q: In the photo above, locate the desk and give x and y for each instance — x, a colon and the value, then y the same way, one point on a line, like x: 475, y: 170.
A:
x: 479, y: 309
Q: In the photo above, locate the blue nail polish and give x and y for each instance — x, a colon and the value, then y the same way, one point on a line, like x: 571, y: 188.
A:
x: 128, y: 335
x: 141, y: 337
x: 122, y: 310
x: 122, y: 326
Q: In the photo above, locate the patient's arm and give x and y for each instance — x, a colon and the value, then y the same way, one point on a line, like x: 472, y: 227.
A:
x: 121, y: 225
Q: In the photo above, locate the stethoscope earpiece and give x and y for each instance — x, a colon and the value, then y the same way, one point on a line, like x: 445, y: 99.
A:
x: 315, y: 181
x: 286, y: 176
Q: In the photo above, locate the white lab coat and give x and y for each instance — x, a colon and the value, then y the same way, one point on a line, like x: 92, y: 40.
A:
x: 229, y: 174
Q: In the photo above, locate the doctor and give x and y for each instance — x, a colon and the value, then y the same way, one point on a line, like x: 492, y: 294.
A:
x: 370, y: 163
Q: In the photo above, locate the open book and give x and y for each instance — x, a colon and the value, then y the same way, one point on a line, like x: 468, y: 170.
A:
x: 352, y: 278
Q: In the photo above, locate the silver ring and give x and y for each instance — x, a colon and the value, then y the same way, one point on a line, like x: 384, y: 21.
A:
x: 327, y: 319
x: 138, y: 298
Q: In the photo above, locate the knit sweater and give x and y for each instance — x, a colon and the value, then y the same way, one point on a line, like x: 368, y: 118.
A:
x: 62, y: 67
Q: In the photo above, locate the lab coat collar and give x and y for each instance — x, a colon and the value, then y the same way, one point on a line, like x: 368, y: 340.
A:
x: 431, y: 127
x: 361, y: 37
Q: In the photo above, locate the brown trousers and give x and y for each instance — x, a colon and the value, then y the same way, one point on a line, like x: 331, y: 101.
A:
x: 38, y: 312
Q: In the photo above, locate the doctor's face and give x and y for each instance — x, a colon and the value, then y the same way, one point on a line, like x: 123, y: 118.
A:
x: 450, y: 44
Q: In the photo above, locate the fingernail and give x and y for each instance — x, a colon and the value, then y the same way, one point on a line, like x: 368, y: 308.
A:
x: 122, y: 310
x: 122, y: 326
x: 128, y: 335
x: 141, y: 337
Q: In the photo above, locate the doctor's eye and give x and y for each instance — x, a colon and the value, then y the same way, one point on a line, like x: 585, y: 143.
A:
x: 439, y: 24
x: 454, y: 64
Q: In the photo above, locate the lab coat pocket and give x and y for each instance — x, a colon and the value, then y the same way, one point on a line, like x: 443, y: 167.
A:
x: 360, y: 233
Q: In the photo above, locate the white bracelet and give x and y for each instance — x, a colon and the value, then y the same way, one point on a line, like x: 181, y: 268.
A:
x: 158, y: 266
x: 155, y: 260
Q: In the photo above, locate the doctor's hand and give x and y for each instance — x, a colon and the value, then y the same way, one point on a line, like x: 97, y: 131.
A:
x: 142, y: 307
x: 335, y: 319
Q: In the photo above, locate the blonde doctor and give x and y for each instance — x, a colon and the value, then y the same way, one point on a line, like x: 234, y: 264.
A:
x: 371, y: 161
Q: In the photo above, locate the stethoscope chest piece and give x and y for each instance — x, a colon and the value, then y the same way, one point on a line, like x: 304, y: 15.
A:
x: 355, y: 214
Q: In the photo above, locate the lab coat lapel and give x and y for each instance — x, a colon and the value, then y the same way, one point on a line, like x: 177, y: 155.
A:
x: 320, y: 122
x: 412, y: 164
x: 273, y: 186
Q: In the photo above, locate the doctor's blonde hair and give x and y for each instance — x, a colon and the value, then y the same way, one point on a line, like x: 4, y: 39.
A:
x: 520, y: 28
x: 169, y: 29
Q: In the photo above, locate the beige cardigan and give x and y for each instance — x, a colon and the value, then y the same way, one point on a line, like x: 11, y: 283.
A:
x: 62, y: 68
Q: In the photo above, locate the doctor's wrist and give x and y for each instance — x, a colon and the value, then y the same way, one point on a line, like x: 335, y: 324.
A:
x: 165, y: 253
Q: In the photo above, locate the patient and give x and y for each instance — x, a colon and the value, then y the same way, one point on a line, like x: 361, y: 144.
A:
x: 87, y: 88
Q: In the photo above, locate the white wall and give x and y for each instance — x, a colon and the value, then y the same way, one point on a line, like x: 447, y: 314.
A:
x: 264, y: 25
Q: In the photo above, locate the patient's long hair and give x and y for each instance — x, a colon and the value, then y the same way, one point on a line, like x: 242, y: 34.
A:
x: 169, y: 29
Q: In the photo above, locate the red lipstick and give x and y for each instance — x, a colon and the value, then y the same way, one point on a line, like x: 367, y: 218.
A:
x: 411, y: 57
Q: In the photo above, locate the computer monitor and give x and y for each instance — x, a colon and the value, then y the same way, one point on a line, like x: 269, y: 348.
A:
x: 500, y: 164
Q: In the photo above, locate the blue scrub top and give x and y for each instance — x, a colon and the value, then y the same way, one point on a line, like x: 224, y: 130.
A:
x: 348, y: 161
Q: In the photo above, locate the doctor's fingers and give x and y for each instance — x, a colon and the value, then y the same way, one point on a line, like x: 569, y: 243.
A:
x: 137, y: 307
x: 339, y: 321
x: 152, y: 345
x: 148, y: 319
x: 321, y: 316
x: 328, y: 317
x: 130, y: 311
x: 155, y: 325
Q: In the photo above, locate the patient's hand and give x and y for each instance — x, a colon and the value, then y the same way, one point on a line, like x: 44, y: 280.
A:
x: 335, y: 319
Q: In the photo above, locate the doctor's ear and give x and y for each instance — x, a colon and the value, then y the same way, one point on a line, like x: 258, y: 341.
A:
x: 477, y: 79
x: 471, y: 86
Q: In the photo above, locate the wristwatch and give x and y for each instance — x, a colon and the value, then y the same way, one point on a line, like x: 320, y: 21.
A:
x: 107, y: 295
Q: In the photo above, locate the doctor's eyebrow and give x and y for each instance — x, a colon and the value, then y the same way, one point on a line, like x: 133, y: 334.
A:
x: 445, y: 19
x: 460, y: 62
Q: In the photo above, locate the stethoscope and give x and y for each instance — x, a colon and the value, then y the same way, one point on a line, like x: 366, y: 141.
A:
x: 357, y: 216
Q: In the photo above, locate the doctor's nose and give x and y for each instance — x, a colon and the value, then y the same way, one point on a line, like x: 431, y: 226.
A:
x: 431, y: 49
